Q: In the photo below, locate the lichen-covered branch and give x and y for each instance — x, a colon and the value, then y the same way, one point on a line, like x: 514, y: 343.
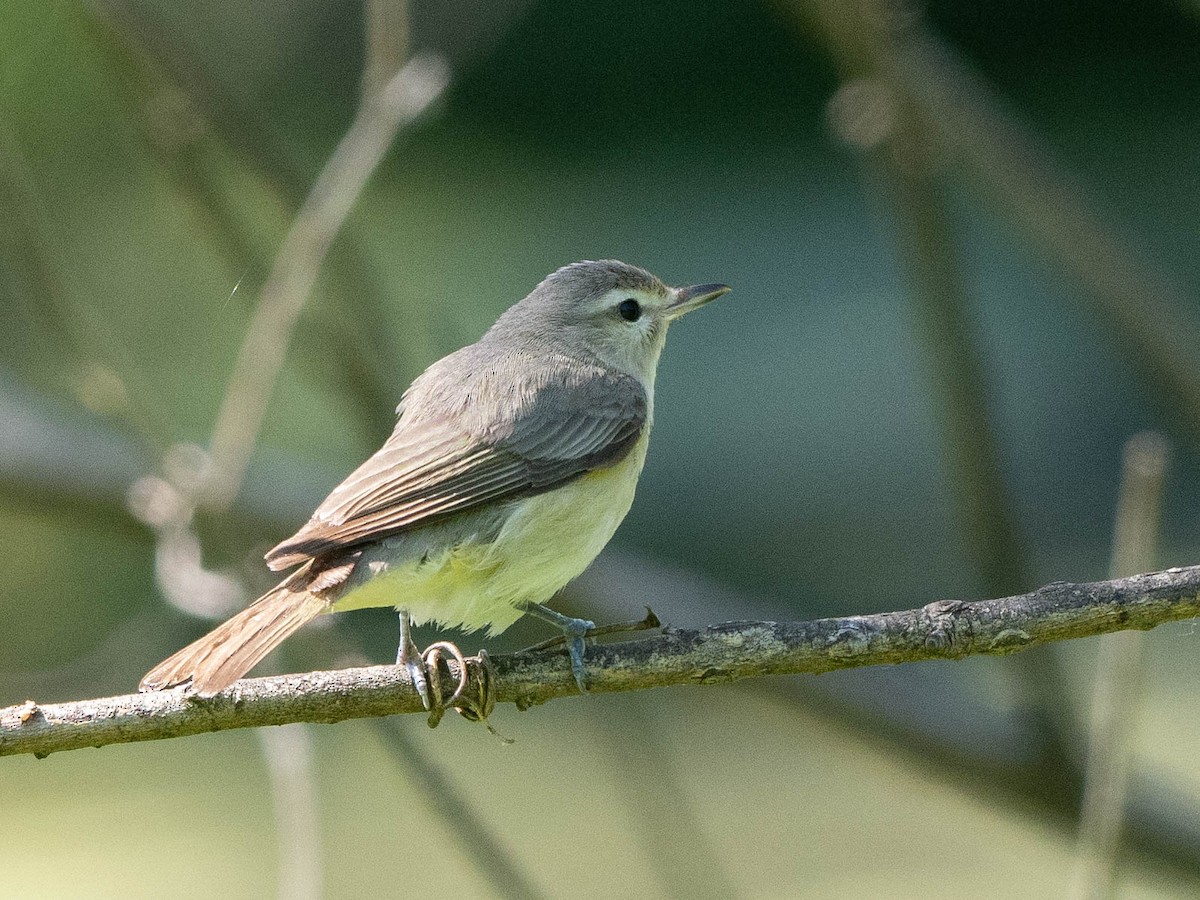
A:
x: 945, y: 629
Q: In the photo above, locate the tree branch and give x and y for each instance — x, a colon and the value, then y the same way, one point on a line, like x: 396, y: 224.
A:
x: 945, y: 629
x: 405, y: 96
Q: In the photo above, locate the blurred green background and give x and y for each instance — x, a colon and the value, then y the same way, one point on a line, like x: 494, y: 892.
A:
x: 963, y: 243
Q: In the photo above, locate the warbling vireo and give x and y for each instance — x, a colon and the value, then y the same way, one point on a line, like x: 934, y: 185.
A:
x: 512, y: 463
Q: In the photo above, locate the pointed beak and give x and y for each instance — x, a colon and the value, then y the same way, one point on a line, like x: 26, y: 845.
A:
x: 689, y: 298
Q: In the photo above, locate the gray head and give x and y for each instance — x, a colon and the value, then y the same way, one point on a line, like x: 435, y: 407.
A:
x: 605, y: 309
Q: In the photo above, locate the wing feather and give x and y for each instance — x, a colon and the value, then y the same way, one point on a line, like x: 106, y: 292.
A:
x: 492, y: 439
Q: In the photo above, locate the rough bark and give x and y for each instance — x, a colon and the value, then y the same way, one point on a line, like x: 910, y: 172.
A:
x: 945, y: 629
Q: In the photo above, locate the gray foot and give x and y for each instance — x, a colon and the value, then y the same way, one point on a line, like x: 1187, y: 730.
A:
x: 575, y: 630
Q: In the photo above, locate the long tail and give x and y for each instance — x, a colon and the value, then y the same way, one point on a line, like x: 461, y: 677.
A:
x: 230, y: 650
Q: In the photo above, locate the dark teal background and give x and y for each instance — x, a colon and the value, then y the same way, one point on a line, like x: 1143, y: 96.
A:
x: 150, y: 160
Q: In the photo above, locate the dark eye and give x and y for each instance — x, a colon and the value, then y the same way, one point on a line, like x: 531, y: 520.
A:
x: 630, y: 310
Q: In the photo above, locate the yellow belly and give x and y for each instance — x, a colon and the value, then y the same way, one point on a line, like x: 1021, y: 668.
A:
x: 543, y: 543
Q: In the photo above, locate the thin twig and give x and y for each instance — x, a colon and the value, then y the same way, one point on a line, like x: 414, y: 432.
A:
x: 945, y: 629
x: 387, y: 45
x: 168, y: 505
x: 400, y: 100
x: 1117, y: 689
x: 206, y: 127
x: 403, y: 99
x: 387, y: 39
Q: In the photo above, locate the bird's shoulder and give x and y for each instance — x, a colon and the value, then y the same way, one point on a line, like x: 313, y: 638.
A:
x: 499, y: 395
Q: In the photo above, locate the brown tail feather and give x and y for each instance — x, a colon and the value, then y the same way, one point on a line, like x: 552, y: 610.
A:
x: 230, y: 650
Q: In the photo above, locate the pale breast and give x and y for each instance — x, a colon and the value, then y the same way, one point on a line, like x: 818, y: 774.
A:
x: 543, y: 542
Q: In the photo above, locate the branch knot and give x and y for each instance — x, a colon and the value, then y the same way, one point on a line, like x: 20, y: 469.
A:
x: 940, y: 622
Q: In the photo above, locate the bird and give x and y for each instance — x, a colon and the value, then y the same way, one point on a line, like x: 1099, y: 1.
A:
x: 512, y: 463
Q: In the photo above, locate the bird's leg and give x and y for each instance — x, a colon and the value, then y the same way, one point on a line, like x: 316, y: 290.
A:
x: 423, y: 670
x: 410, y: 657
x: 575, y: 630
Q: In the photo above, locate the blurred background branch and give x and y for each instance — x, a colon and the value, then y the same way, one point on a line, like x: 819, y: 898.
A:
x: 1151, y: 318
x: 396, y: 93
x: 287, y: 751
x: 151, y: 161
x: 401, y: 100
x: 948, y: 731
x: 484, y: 846
x: 876, y: 114
x: 1117, y: 692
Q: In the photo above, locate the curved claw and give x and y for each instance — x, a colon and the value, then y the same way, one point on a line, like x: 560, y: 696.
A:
x: 431, y: 659
x: 475, y: 694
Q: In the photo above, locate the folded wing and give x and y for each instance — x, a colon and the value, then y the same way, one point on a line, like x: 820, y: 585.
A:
x: 482, y: 438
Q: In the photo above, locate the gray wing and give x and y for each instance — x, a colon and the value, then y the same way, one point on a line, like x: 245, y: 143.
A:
x: 472, y: 436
